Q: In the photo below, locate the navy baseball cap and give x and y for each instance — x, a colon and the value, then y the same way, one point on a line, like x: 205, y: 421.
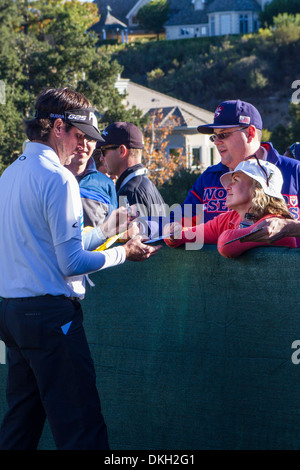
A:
x: 295, y: 150
x: 233, y: 113
x: 122, y: 133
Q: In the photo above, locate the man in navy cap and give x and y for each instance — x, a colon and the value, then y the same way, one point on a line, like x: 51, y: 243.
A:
x: 237, y: 132
x: 122, y: 146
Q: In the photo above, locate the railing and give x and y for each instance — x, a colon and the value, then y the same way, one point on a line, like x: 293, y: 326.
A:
x: 196, y: 351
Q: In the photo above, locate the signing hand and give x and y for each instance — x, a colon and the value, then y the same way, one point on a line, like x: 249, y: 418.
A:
x: 138, y: 251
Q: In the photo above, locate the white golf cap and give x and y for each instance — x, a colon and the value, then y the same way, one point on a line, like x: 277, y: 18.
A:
x: 267, y: 174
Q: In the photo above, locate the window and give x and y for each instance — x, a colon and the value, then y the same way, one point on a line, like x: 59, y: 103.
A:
x: 196, y: 157
x: 212, y: 26
x: 243, y: 24
x: 134, y: 20
x: 174, y: 152
x: 188, y: 32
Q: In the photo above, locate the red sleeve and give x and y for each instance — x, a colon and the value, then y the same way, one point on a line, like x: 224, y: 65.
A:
x: 207, y: 233
x: 236, y: 248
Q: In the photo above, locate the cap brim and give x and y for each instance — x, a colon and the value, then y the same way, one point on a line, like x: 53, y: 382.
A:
x: 101, y: 142
x: 89, y: 130
x: 226, y: 179
x: 209, y: 128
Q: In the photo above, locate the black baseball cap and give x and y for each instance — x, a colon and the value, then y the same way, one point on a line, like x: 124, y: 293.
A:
x: 83, y: 119
x: 233, y: 113
x: 122, y: 133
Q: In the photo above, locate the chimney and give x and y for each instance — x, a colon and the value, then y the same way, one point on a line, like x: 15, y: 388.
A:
x: 199, y: 4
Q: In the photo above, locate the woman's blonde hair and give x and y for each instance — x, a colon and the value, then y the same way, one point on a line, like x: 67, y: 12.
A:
x: 262, y: 204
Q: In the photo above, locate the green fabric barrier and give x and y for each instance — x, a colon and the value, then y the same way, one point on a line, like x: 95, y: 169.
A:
x: 194, y: 351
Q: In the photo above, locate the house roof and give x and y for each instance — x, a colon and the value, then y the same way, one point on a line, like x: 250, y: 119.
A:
x: 183, y: 12
x: 148, y: 100
x: 168, y: 115
x: 112, y: 21
x: 232, y: 5
x: 108, y: 22
x: 119, y: 8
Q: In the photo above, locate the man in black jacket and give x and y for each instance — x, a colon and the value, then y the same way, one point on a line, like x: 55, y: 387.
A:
x: 122, y: 148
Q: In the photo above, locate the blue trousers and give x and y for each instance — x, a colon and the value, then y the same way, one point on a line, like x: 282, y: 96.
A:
x: 50, y: 374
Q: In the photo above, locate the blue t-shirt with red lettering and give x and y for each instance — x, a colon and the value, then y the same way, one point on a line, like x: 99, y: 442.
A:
x: 208, y: 190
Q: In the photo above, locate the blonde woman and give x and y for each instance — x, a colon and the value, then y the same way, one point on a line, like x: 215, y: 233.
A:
x: 253, y: 195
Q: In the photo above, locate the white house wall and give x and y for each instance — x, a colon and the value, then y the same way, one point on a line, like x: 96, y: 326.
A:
x: 225, y: 22
x: 181, y: 32
x: 186, y: 137
x: 208, y: 151
x: 190, y: 140
x: 220, y: 26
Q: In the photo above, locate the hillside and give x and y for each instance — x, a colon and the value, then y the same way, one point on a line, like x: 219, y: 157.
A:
x: 259, y: 68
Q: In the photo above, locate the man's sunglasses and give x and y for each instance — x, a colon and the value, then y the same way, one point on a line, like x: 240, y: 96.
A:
x: 103, y: 150
x: 225, y: 135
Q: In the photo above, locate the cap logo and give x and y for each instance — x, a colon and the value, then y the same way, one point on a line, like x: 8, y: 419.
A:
x: 218, y: 111
x: 57, y: 116
x: 93, y: 118
x: 293, y: 200
x: 244, y: 120
x: 76, y: 117
x: 105, y: 132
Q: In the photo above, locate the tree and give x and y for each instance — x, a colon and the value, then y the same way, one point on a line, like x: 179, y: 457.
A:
x: 284, y: 136
x: 161, y: 166
x: 12, y: 77
x: 275, y: 7
x: 153, y: 16
x: 47, y: 44
x: 286, y: 29
x: 175, y: 189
